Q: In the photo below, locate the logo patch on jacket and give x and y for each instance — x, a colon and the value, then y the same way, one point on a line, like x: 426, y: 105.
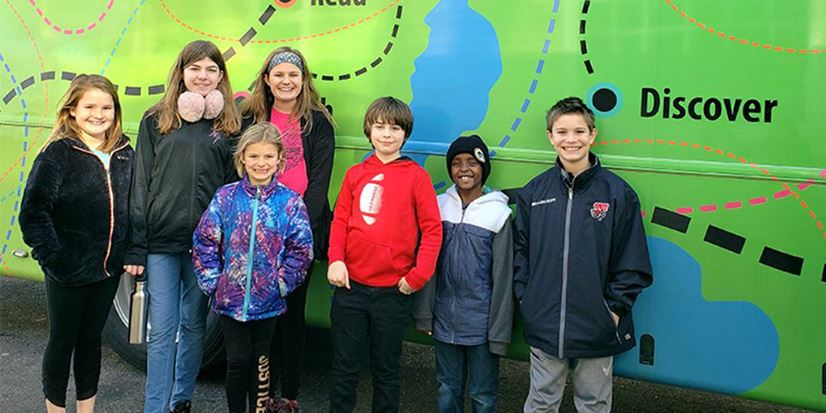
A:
x: 599, y: 210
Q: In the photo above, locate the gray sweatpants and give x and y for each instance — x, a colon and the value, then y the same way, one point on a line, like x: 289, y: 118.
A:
x: 592, y: 383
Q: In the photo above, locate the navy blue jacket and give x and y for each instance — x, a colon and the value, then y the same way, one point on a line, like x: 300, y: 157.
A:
x: 580, y: 253
x: 469, y: 301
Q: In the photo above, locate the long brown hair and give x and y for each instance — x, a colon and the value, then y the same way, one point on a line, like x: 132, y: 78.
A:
x: 260, y: 103
x: 227, y: 122
x: 66, y: 125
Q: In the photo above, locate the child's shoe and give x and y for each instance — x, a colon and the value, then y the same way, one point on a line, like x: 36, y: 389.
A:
x: 184, y: 406
x: 282, y: 406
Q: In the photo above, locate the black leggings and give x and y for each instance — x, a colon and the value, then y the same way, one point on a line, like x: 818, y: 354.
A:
x: 248, y: 366
x: 76, y: 318
x: 287, y: 348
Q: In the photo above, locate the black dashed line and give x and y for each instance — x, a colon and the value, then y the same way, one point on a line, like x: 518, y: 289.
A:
x: 155, y: 90
x: 229, y: 53
x: 265, y: 17
x: 151, y: 90
x: 670, y: 219
x: 375, y: 63
x: 9, y: 96
x: 26, y: 83
x: 823, y: 276
x: 781, y: 261
x: 724, y: 239
x: 583, y: 43
x: 248, y: 36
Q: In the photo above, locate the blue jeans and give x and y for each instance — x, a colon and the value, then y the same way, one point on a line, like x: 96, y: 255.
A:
x: 177, y: 310
x: 454, y: 364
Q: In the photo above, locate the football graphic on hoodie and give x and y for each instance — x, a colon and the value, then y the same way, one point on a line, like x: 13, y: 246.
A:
x: 370, y: 199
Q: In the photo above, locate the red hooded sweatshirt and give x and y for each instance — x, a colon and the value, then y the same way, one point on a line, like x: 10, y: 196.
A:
x: 381, y: 212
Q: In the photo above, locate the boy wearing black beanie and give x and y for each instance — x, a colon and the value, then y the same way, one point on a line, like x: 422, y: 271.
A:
x: 467, y: 306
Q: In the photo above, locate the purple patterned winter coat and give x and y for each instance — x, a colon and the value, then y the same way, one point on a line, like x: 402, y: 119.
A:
x: 249, y: 277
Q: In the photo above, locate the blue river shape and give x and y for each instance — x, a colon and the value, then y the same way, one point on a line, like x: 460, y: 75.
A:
x: 453, y: 77
x: 725, y: 346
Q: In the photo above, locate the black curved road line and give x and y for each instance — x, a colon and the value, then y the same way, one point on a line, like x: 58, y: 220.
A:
x: 670, y: 219
x: 250, y: 33
x: 583, y: 46
x: 724, y: 239
x: 781, y: 261
x: 823, y: 276
x: 69, y: 76
x: 375, y: 63
x: 137, y: 90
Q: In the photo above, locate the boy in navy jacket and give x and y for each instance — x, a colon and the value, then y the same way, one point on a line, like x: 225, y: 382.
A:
x: 580, y: 260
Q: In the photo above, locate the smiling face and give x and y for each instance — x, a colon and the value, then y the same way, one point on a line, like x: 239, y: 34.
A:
x: 94, y: 115
x: 387, y: 139
x: 261, y: 162
x: 572, y: 138
x: 466, y: 173
x: 202, y: 76
x: 285, y: 81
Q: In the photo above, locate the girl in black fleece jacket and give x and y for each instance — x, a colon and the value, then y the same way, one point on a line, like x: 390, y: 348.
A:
x: 74, y: 216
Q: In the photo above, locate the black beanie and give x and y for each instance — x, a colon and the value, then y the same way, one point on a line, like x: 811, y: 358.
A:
x: 473, y: 145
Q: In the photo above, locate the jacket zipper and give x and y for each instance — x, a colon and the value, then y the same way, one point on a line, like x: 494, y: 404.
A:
x: 111, y: 201
x: 459, y: 227
x: 250, y: 255
x: 565, y: 248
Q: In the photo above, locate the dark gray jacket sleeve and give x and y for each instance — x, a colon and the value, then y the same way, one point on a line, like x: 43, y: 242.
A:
x: 500, y: 320
x: 423, y: 304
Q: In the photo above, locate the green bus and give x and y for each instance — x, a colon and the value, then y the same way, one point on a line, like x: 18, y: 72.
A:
x: 708, y: 108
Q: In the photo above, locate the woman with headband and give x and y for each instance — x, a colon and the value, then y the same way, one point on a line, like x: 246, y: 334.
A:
x: 284, y: 95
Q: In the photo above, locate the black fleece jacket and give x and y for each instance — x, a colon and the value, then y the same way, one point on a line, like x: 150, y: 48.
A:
x: 319, y: 149
x: 175, y: 177
x: 74, y: 213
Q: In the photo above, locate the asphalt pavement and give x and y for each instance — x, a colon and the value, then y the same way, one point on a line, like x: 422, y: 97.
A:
x: 23, y: 333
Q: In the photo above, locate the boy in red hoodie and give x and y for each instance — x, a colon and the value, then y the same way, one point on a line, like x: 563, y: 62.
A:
x: 386, y: 209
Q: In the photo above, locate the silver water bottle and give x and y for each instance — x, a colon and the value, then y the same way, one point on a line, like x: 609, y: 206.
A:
x: 137, y: 311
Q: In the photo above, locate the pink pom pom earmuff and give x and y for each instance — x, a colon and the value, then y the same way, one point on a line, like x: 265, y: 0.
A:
x: 193, y: 107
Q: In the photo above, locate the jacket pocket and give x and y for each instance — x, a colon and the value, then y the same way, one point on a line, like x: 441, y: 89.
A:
x: 370, y: 258
x: 614, y: 326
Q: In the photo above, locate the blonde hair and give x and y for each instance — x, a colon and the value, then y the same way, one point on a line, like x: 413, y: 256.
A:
x: 261, y: 132
x: 66, y: 125
x: 228, y: 122
x: 260, y: 103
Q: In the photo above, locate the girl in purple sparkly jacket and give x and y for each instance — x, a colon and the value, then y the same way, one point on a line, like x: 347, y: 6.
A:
x: 248, y: 276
